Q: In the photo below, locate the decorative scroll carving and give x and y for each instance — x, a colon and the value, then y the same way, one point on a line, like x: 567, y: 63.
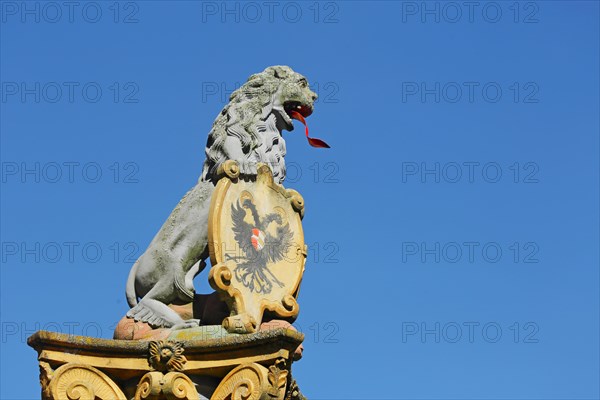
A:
x: 254, y: 382
x: 229, y: 168
x: 149, y: 386
x: 278, y: 376
x: 293, y: 392
x: 158, y: 386
x: 246, y: 382
x: 46, y: 374
x: 179, y: 386
x: 81, y: 382
x: 255, y: 366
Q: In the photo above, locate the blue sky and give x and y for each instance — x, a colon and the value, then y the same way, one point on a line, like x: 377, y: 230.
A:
x: 453, y: 225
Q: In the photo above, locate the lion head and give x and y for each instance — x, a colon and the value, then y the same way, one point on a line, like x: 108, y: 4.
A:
x: 248, y: 129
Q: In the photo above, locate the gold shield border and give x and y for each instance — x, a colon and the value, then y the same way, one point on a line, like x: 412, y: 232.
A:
x: 220, y: 275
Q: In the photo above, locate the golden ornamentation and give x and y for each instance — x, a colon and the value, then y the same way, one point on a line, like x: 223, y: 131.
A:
x: 179, y: 386
x: 277, y: 376
x: 256, y: 246
x: 46, y: 374
x: 166, y: 356
x: 293, y: 392
x: 171, y: 386
x: 82, y: 382
x: 246, y: 382
x: 297, y: 201
x: 229, y: 168
x: 149, y: 386
x: 84, y: 368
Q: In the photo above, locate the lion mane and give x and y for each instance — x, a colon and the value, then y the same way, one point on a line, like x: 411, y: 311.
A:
x: 253, y: 116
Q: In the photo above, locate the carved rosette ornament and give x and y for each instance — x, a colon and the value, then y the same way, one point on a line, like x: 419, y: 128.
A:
x: 256, y: 246
x: 166, y: 356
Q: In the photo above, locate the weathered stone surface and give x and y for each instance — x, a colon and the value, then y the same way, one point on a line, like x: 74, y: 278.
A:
x: 207, y: 308
x: 73, y: 367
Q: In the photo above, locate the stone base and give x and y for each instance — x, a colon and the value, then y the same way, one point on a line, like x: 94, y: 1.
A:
x: 207, y: 308
x: 203, y: 363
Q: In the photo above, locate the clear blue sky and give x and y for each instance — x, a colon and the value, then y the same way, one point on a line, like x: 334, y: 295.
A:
x: 453, y: 225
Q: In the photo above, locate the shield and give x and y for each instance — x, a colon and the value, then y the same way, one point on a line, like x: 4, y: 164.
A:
x: 256, y: 247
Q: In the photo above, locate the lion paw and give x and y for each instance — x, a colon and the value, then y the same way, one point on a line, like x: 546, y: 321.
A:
x: 190, y: 323
x: 248, y: 169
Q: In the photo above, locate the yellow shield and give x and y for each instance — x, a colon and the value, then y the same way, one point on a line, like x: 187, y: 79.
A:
x: 256, y: 247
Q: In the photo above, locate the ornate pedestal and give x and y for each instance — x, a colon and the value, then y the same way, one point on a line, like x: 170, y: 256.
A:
x: 222, y: 366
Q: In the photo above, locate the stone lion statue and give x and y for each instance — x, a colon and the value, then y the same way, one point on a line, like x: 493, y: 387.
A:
x: 247, y: 130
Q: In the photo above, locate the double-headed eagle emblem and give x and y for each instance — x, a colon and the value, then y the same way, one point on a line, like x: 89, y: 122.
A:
x: 259, y: 247
x: 256, y: 246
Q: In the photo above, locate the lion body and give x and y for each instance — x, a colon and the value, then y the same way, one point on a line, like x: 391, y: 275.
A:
x: 248, y: 130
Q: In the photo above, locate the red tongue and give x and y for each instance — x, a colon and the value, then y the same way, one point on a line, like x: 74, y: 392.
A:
x: 314, y: 142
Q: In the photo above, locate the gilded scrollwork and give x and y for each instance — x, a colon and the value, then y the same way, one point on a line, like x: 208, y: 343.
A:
x: 149, y: 387
x: 229, y: 168
x: 171, y: 386
x: 247, y: 382
x: 82, y: 382
x: 46, y: 374
x: 293, y: 392
x: 277, y: 377
x: 297, y: 201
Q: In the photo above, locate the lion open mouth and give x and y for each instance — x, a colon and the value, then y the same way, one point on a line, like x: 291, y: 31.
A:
x: 299, y: 111
x: 304, y: 109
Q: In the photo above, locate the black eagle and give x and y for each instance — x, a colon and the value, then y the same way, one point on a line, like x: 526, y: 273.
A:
x: 259, y: 247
